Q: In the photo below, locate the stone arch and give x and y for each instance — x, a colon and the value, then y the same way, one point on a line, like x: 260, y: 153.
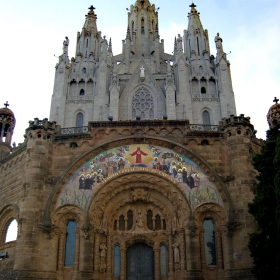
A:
x: 68, y: 212
x: 177, y: 148
x: 8, y: 213
x: 139, y: 187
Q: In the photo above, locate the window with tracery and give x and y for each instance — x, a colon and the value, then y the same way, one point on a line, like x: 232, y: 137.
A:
x: 143, y: 104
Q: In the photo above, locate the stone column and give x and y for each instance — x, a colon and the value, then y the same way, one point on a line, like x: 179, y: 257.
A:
x: 220, y: 262
x: 96, y: 252
x: 60, y: 259
x: 77, y: 250
x: 77, y: 254
x: 182, y: 252
x: 123, y: 261
x: 170, y: 259
x: 157, y: 261
x: 109, y: 257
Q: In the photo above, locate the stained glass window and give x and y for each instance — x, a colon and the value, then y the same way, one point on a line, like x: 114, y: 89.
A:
x: 143, y: 104
x: 163, y: 261
x: 209, y: 243
x: 117, y: 261
x: 70, y: 244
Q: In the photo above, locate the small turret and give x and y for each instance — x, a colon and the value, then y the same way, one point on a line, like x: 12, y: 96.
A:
x: 7, y: 125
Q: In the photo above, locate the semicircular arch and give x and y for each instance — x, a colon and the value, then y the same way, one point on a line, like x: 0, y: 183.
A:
x: 173, y: 148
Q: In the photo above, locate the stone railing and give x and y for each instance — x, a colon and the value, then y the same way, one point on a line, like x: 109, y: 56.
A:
x: 203, y: 127
x: 74, y: 130
x: 179, y: 123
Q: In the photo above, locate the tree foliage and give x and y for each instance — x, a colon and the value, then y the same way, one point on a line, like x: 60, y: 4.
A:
x: 265, y: 243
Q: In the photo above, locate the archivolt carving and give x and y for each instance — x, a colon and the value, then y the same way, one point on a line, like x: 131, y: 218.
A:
x: 133, y: 183
x: 65, y: 213
x: 210, y: 211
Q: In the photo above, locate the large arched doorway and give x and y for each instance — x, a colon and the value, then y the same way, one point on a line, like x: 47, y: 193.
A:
x: 140, y: 262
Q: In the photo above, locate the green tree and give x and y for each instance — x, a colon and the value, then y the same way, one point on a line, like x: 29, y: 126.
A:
x: 265, y: 243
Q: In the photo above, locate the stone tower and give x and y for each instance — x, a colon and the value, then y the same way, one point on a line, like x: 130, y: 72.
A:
x: 7, y: 125
x: 143, y: 81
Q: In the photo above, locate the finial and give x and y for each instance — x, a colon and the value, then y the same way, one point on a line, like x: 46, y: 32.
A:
x: 275, y: 100
x: 192, y: 5
x: 7, y: 104
x: 91, y: 8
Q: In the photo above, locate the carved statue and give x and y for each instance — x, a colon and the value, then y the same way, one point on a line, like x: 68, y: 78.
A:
x: 103, y: 253
x: 176, y: 253
x: 219, y: 41
x: 139, y: 220
x: 142, y: 73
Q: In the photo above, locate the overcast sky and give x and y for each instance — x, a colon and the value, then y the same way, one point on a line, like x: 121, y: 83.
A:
x: 34, y: 30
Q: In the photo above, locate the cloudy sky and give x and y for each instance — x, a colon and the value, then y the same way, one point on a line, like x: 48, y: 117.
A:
x: 33, y: 32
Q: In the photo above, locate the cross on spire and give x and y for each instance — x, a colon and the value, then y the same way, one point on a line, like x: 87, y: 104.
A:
x: 192, y: 5
x: 275, y: 100
x: 91, y: 8
x: 7, y: 104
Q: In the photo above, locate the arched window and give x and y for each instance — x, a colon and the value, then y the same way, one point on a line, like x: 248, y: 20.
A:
x: 12, y: 230
x: 200, y: 69
x: 79, y: 120
x: 209, y: 243
x: 198, y: 45
x: 163, y: 261
x: 129, y: 220
x: 150, y: 220
x: 142, y: 26
x: 158, y: 222
x: 132, y: 26
x: 206, y: 118
x: 82, y: 92
x: 84, y: 70
x: 70, y: 244
x: 122, y: 223
x: 117, y: 261
x: 203, y: 90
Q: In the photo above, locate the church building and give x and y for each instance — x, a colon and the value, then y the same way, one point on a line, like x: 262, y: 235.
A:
x: 143, y: 171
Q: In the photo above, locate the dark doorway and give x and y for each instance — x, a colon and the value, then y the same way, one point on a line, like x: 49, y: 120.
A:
x: 140, y: 262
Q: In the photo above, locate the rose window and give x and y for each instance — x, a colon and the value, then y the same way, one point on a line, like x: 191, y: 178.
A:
x: 143, y: 104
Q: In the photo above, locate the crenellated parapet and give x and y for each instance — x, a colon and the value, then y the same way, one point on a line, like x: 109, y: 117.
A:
x: 238, y: 125
x: 41, y: 129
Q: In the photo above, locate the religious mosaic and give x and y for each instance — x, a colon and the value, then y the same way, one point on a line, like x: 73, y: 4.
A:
x: 178, y: 168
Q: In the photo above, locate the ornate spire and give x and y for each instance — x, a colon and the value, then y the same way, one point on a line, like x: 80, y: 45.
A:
x: 128, y: 37
x: 110, y: 45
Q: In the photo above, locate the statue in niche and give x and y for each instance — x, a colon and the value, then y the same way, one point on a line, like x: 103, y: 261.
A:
x: 139, y: 220
x: 176, y: 253
x: 142, y: 73
x: 103, y: 253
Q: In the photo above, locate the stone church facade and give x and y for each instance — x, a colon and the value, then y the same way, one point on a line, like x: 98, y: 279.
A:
x: 143, y: 170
